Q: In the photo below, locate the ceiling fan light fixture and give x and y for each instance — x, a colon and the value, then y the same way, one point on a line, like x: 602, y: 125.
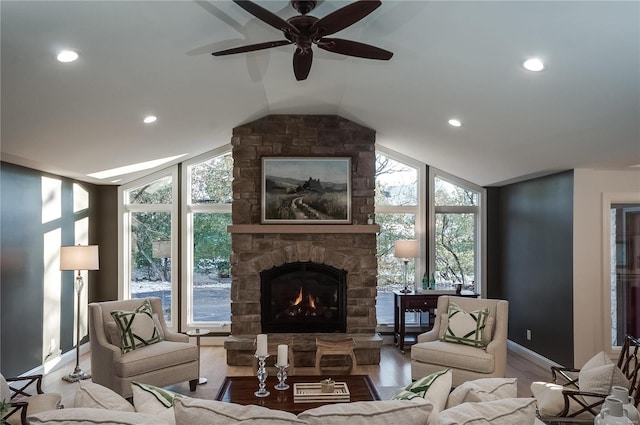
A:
x: 533, y: 64
x: 66, y: 56
x: 149, y: 119
x: 454, y: 122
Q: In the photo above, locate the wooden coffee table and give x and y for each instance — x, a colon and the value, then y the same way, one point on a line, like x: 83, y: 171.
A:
x: 240, y: 389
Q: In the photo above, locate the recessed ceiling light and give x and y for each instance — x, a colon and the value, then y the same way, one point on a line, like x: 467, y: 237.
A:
x: 455, y: 122
x: 67, y: 56
x: 150, y: 119
x: 533, y: 64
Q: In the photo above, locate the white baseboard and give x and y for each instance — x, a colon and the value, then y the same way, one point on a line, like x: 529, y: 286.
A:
x: 532, y: 356
x: 58, y: 362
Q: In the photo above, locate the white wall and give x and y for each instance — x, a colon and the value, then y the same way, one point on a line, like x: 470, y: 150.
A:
x: 589, y: 285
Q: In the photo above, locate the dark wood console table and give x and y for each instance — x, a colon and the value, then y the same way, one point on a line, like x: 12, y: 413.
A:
x: 425, y: 301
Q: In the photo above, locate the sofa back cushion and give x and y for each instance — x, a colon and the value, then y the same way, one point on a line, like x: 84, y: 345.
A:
x: 415, y: 411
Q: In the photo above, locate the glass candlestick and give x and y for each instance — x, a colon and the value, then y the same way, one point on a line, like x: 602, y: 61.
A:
x: 282, y: 376
x: 262, y: 377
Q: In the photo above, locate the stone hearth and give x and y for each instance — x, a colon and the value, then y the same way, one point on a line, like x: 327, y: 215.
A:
x: 259, y: 247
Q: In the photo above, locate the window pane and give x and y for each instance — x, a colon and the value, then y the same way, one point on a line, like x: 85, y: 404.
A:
x: 450, y: 194
x: 455, y: 249
x: 390, y: 269
x: 625, y: 271
x: 211, y: 268
x: 211, y: 181
x: 396, y: 183
x: 157, y: 192
x: 149, y: 258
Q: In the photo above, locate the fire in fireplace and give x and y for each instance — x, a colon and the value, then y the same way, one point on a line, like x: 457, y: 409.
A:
x: 303, y: 297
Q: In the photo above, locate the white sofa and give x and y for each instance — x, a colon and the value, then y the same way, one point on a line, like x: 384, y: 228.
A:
x: 489, y: 401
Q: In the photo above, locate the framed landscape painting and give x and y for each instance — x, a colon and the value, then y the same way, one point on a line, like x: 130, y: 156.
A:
x: 306, y: 190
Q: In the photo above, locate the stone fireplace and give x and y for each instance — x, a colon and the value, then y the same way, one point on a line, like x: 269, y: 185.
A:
x: 275, y: 250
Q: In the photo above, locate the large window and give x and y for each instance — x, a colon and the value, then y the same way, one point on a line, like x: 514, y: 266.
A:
x: 456, y: 240
x: 398, y: 206
x: 149, y: 240
x: 624, y: 270
x: 207, y: 248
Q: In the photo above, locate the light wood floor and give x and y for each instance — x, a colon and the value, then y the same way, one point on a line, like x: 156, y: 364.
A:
x: 394, y: 371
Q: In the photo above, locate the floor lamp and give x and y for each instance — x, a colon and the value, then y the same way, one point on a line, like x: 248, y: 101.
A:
x: 78, y: 257
x: 405, y: 249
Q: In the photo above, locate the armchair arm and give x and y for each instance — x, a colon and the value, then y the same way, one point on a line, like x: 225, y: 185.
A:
x: 579, y: 398
x: 16, y: 406
x: 428, y: 336
x: 26, y: 381
x: 565, y: 373
x: 175, y: 336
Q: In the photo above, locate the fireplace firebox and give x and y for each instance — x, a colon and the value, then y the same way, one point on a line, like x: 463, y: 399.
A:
x: 303, y: 297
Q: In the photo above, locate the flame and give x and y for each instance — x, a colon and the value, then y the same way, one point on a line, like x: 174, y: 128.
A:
x: 298, y: 300
x: 312, y: 303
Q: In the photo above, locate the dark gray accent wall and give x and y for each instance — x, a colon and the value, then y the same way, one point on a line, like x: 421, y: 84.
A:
x: 22, y: 261
x: 530, y: 261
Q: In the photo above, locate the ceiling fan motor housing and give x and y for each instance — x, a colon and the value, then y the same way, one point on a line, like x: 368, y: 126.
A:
x: 303, y: 7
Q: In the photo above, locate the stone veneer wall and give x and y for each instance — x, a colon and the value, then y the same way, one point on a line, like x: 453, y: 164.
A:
x: 303, y: 136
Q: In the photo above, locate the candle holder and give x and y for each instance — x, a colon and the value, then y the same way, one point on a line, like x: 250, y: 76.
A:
x: 262, y: 377
x: 282, y: 376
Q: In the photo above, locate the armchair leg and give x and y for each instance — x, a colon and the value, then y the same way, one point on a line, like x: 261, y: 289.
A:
x: 193, y: 384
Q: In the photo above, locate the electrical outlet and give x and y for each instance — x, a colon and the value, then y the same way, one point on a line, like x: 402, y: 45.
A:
x: 528, y: 334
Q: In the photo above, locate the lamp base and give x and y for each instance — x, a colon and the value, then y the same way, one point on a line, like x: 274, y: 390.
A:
x: 406, y: 291
x: 77, y: 375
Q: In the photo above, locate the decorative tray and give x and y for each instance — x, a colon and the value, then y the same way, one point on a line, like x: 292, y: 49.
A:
x: 312, y: 393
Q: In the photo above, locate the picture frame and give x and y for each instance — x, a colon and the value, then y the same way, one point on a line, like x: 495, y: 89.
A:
x: 306, y: 190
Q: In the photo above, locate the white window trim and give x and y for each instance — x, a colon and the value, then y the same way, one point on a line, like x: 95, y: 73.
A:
x: 609, y: 198
x: 481, y: 222
x: 187, y: 211
x: 124, y: 268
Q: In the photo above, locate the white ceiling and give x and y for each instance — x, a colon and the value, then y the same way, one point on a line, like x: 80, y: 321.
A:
x: 451, y: 58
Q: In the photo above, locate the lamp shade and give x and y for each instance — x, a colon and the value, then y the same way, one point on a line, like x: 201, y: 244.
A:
x: 79, y: 257
x: 406, y: 248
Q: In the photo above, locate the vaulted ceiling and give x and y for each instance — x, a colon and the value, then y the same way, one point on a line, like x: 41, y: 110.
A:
x: 451, y: 59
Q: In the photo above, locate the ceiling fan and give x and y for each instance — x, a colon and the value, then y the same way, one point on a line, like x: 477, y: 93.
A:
x: 305, y: 30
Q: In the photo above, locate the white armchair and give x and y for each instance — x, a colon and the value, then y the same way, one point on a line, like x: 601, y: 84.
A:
x: 170, y: 361
x: 466, y: 362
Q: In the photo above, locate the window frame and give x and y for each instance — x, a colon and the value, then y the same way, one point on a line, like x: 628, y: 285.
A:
x: 186, y: 253
x: 124, y: 235
x: 418, y: 210
x: 608, y: 199
x: 480, y: 223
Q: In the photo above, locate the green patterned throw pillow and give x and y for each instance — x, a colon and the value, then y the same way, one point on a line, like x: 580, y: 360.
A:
x: 151, y: 399
x: 137, y: 328
x: 465, y: 327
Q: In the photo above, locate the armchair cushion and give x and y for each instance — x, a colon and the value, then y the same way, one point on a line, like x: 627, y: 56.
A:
x: 457, y: 356
x: 137, y: 328
x: 599, y: 374
x: 465, y: 327
x: 551, y: 401
x: 155, y: 357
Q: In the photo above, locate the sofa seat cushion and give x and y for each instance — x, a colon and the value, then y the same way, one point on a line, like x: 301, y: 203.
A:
x: 193, y: 411
x: 154, y: 357
x: 456, y: 356
x: 89, y: 416
x: 415, y: 411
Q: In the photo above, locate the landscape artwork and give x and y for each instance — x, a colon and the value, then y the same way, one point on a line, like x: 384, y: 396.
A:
x: 306, y: 190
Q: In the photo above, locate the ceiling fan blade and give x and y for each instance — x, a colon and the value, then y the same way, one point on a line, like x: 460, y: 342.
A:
x: 252, y: 47
x: 267, y: 16
x: 354, y: 48
x: 344, y: 17
x: 302, y: 63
